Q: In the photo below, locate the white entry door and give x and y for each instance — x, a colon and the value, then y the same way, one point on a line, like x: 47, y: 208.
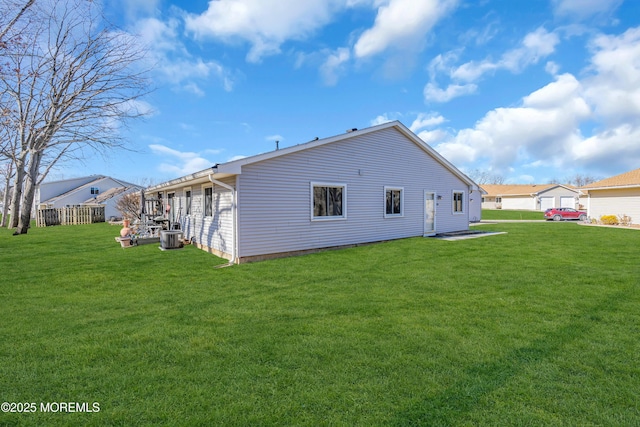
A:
x: 429, y: 213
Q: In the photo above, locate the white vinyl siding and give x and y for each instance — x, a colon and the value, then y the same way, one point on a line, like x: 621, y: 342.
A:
x: 615, y: 202
x: 213, y: 231
x: 365, y: 164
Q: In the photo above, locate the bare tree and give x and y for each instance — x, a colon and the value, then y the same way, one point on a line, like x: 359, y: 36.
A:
x: 485, y: 177
x: 14, y: 40
x: 129, y: 205
x: 577, y: 180
x: 5, y: 27
x: 580, y: 180
x: 71, y: 88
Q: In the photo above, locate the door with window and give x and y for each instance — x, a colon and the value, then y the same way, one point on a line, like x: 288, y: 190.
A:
x: 429, y: 213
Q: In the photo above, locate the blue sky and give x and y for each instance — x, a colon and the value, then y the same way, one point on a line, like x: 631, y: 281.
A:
x: 530, y: 90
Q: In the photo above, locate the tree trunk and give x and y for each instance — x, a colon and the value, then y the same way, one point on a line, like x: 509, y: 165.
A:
x: 5, y: 201
x: 29, y: 193
x: 16, y: 197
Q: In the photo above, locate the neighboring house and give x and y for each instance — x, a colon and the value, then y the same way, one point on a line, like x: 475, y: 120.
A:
x: 88, y: 190
x: 367, y: 185
x: 618, y: 195
x: 533, y: 197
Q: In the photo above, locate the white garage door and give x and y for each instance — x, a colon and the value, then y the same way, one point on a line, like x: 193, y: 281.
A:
x: 546, y: 203
x: 567, y: 202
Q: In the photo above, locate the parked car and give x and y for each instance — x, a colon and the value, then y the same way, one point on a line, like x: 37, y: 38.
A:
x: 558, y: 214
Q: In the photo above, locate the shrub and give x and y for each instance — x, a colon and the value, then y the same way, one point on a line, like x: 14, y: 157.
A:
x: 624, y: 219
x: 609, y: 219
x: 129, y: 206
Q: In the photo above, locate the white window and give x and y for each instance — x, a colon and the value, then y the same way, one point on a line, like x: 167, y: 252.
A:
x: 393, y: 202
x: 329, y: 201
x: 95, y: 190
x: 458, y: 202
x: 208, y: 201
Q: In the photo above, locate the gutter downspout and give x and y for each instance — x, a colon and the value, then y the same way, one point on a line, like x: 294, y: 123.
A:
x: 234, y: 229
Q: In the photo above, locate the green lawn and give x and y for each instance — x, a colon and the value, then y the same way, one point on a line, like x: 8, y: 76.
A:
x: 491, y: 214
x: 536, y: 327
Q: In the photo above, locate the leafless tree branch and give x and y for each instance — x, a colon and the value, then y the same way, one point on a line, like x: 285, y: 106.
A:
x: 71, y: 87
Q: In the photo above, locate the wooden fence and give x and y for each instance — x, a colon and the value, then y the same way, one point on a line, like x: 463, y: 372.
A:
x: 70, y: 216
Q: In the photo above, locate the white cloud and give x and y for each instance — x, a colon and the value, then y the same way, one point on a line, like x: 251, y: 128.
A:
x: 401, y: 23
x: 558, y: 94
x: 614, y: 86
x: 443, y: 64
x: 535, y: 46
x: 276, y: 137
x: 171, y: 59
x: 425, y: 120
x: 134, y: 9
x: 385, y: 118
x: 420, y: 123
x: 433, y: 137
x: 580, y: 9
x: 472, y: 70
x: 265, y: 24
x: 334, y: 65
x: 179, y: 162
x: 544, y: 126
x: 194, y: 89
x: 616, y: 146
x: 552, y: 68
x: 546, y: 129
x: 433, y: 93
x: 465, y: 148
x: 525, y: 179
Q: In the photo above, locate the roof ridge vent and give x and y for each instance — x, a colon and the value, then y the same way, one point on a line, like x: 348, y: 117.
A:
x: 352, y: 130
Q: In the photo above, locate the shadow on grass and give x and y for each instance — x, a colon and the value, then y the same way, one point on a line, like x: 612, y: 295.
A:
x: 453, y: 405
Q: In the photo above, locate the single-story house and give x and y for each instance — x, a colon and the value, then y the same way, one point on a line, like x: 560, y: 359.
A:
x: 533, y: 197
x: 88, y: 190
x: 367, y: 185
x: 618, y: 195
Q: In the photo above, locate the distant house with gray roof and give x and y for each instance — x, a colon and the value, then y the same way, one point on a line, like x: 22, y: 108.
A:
x: 88, y: 190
